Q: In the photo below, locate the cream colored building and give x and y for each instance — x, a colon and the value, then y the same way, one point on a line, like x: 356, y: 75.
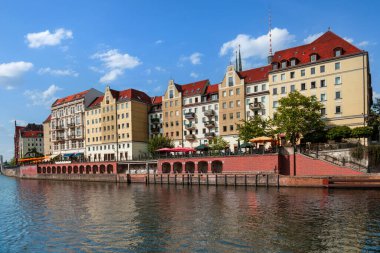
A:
x: 117, y: 125
x: 47, y: 136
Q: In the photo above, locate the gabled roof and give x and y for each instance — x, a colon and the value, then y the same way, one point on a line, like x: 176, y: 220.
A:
x: 255, y: 75
x: 70, y: 98
x: 47, y: 119
x: 214, y: 88
x: 323, y: 46
x: 156, y: 100
x: 192, y: 89
x: 124, y: 95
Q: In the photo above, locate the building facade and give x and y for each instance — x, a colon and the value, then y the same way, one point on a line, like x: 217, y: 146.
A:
x: 30, y: 141
x: 67, y: 123
x: 117, y: 125
x: 47, y: 136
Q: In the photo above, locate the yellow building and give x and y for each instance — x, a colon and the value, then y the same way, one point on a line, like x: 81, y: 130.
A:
x: 117, y: 125
x: 329, y: 68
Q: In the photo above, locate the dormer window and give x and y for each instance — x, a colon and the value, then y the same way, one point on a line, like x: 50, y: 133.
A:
x: 313, y: 57
x: 284, y: 64
x: 274, y: 66
x: 338, y: 51
x: 293, y: 62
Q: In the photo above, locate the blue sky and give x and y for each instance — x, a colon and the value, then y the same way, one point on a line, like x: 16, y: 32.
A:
x: 50, y: 49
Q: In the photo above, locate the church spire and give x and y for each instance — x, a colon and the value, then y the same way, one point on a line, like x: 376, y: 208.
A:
x: 240, y: 64
x: 236, y: 62
x: 270, y: 56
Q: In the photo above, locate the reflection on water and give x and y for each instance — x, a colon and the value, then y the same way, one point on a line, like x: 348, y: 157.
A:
x: 55, y: 216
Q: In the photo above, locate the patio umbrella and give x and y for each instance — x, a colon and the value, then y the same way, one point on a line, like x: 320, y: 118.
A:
x: 164, y: 150
x: 202, y: 147
x: 246, y: 145
x: 261, y: 139
x: 180, y: 149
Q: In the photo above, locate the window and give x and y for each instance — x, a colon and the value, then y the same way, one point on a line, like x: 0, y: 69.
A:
x: 275, y: 104
x: 224, y: 93
x: 338, y: 52
x: 292, y: 74
x: 337, y: 66
x: 312, y: 71
x: 231, y: 92
x: 224, y: 116
x: 230, y: 81
x: 283, y: 90
x: 274, y: 78
x: 256, y: 88
x: 338, y: 80
x: 274, y: 91
x: 338, y: 95
x: 247, y: 101
x: 262, y: 99
x: 248, y: 89
x: 274, y: 66
x: 302, y: 72
x: 313, y: 57
x: 303, y: 86
x: 282, y: 77
x: 238, y: 91
x: 312, y: 85
x: 323, y: 111
x: 231, y: 115
x: 292, y: 88
x: 238, y: 115
x: 237, y: 103
x: 322, y: 69
x: 224, y: 128
x: 293, y: 62
x: 323, y: 83
x: 231, y: 104
x: 338, y: 109
x: 283, y: 64
x: 263, y: 87
x: 323, y: 97
x: 231, y: 127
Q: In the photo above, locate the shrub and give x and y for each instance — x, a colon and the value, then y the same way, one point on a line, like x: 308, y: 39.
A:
x: 338, y: 133
x: 362, y: 132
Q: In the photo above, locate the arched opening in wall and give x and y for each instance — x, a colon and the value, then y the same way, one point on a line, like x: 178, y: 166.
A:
x: 69, y: 169
x: 109, y: 168
x: 88, y: 169
x: 190, y: 167
x: 166, y: 168
x: 48, y: 170
x: 216, y: 166
x: 95, y: 169
x: 75, y: 169
x: 81, y: 169
x: 59, y: 170
x: 202, y: 167
x: 177, y: 167
x: 53, y: 169
x: 39, y: 170
x: 64, y: 170
x: 102, y: 168
x: 43, y: 170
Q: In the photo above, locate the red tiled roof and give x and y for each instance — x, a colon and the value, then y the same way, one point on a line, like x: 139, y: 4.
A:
x: 70, y: 98
x: 156, y: 100
x: 31, y: 134
x: 255, y: 75
x: 214, y: 88
x: 47, y: 119
x: 131, y: 94
x: 192, y: 89
x: 323, y: 46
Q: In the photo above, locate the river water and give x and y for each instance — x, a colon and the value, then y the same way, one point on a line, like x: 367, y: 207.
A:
x: 57, y: 216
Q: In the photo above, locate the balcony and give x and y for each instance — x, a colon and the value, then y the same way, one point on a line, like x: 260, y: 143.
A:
x: 190, y: 115
x: 72, y: 137
x: 155, y: 120
x: 209, y: 135
x: 59, y: 139
x: 209, y: 113
x: 190, y: 137
x: 60, y: 128
x: 71, y: 125
x: 256, y: 106
x: 210, y: 124
x: 155, y: 130
x: 190, y: 126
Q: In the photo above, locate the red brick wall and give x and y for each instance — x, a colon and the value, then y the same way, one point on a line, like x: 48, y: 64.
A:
x: 29, y: 170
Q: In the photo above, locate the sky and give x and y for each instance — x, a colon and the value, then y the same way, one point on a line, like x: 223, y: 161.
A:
x: 51, y: 49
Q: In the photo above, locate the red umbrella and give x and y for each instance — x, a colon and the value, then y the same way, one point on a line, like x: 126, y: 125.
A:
x: 164, y: 150
x: 180, y: 149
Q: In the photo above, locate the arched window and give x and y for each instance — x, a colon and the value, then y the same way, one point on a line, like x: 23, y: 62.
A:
x: 338, y: 51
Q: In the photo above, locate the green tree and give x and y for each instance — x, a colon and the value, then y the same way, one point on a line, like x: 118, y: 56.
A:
x: 218, y: 143
x: 361, y: 132
x: 337, y: 133
x: 12, y: 162
x: 255, y: 127
x: 298, y: 115
x: 157, y: 142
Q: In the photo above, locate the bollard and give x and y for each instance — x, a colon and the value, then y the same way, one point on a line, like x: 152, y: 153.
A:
x: 267, y: 182
x: 183, y: 179
x: 245, y: 180
x: 278, y: 181
x: 154, y: 178
x: 168, y: 178
x: 216, y: 179
x: 207, y: 179
x: 161, y: 179
x: 256, y: 180
x: 175, y: 179
x: 199, y: 179
x: 235, y: 180
x: 225, y: 180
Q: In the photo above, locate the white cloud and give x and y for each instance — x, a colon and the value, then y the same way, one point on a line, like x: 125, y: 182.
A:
x: 350, y: 40
x: 46, y: 38
x: 160, y: 69
x: 257, y: 47
x: 115, y: 63
x: 44, y: 98
x: 14, y: 69
x: 363, y: 43
x: 58, y: 72
x: 194, y: 75
x: 194, y: 58
x: 159, y: 42
x: 312, y: 37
